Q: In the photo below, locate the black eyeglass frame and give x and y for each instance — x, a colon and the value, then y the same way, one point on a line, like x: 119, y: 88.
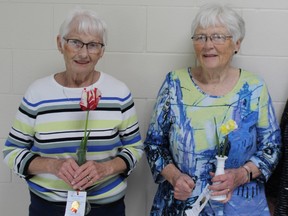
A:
x: 83, y: 44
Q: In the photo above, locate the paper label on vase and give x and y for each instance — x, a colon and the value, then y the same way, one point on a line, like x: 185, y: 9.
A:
x: 75, y: 205
x: 200, y: 203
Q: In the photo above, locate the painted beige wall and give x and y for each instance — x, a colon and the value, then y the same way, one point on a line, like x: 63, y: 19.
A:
x: 147, y: 38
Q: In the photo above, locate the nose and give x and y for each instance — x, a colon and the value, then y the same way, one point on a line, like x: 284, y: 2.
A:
x: 84, y: 50
x: 208, y: 39
x: 208, y: 42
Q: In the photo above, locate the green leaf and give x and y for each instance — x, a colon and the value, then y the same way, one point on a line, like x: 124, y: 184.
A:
x: 225, y: 145
x: 217, y: 137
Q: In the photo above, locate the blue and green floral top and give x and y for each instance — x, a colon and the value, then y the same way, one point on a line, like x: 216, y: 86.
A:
x: 182, y: 131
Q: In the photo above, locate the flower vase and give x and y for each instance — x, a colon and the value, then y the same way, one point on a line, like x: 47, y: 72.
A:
x: 219, y: 171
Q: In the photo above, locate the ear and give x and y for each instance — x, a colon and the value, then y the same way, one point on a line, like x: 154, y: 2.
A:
x: 102, y: 52
x: 237, y: 45
x: 59, y: 44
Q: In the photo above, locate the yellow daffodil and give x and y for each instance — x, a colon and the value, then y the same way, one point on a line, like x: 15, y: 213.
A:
x: 225, y: 129
x: 230, y: 126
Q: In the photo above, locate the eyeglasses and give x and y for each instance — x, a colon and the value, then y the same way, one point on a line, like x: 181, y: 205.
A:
x: 217, y: 39
x: 77, y: 45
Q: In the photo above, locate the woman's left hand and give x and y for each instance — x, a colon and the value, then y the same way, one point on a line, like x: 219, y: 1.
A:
x: 88, y: 174
x: 92, y: 171
x: 232, y: 179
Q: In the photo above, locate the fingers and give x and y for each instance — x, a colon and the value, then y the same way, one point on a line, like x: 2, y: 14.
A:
x: 88, y: 178
x: 87, y: 181
x: 79, y: 177
x: 65, y: 169
x: 88, y: 174
x: 229, y: 195
x: 183, y: 187
x: 224, y: 185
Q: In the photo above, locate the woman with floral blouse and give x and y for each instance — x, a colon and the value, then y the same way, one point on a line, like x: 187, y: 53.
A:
x: 181, y: 141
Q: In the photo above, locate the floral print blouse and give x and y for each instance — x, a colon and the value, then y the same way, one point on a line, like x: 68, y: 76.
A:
x: 182, y: 131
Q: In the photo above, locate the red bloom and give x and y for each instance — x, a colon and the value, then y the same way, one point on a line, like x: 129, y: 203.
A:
x: 90, y: 99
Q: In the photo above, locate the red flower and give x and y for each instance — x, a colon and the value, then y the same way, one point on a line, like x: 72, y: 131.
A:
x: 89, y: 101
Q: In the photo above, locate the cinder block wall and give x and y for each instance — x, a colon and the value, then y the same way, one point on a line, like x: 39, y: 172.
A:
x: 147, y: 38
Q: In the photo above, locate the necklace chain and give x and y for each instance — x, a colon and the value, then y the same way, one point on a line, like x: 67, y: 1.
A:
x: 64, y: 93
x: 63, y: 87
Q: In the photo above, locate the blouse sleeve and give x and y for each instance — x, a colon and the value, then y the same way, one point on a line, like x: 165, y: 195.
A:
x: 268, y: 137
x: 17, y: 154
x: 157, y: 141
x: 130, y: 135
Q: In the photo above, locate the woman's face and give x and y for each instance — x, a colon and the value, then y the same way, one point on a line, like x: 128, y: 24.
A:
x: 79, y: 61
x: 213, y: 56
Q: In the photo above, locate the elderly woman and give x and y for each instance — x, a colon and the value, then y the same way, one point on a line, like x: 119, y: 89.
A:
x: 49, y: 126
x: 191, y: 106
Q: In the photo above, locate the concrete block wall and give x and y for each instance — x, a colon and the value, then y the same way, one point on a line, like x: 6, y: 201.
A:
x: 147, y: 39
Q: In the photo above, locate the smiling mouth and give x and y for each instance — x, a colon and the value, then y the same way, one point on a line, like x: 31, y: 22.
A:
x: 209, y: 55
x: 81, y: 62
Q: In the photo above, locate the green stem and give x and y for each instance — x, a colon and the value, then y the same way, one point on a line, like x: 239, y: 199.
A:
x: 81, y: 152
x: 86, y: 125
x: 217, y: 137
x: 225, y: 145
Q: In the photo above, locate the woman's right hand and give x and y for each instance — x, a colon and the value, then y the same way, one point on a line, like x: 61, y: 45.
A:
x: 65, y: 169
x: 183, y: 186
x: 62, y: 168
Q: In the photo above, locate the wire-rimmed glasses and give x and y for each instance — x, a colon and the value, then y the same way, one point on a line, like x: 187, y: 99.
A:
x: 215, y: 38
x: 77, y: 45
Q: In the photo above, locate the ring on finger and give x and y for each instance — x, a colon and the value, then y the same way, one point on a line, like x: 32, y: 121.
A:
x: 88, y: 178
x: 228, y: 190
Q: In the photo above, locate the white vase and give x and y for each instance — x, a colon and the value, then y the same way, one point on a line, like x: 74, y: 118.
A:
x: 220, y: 171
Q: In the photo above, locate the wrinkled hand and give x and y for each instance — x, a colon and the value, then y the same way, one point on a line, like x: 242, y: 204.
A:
x: 183, y: 186
x: 87, y: 174
x: 232, y: 179
x: 65, y: 169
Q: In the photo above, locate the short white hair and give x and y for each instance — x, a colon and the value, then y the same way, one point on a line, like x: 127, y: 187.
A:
x: 84, y: 21
x: 216, y: 14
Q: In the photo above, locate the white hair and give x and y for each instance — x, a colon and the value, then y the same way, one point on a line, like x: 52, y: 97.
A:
x: 220, y: 15
x: 84, y: 21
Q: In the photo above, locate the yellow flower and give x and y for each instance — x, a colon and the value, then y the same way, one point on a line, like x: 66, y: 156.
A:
x: 225, y: 129
x: 230, y: 126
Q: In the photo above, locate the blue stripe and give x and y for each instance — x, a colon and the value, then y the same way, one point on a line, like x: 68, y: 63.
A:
x: 50, y: 101
x: 132, y: 141
x: 73, y: 149
x: 116, y: 98
x: 37, y: 187
x: 71, y: 99
x: 10, y: 144
x: 107, y: 188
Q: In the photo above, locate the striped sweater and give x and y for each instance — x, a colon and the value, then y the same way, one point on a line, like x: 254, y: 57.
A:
x: 50, y: 123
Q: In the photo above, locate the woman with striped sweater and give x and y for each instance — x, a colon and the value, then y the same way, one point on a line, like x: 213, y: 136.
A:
x: 49, y: 126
